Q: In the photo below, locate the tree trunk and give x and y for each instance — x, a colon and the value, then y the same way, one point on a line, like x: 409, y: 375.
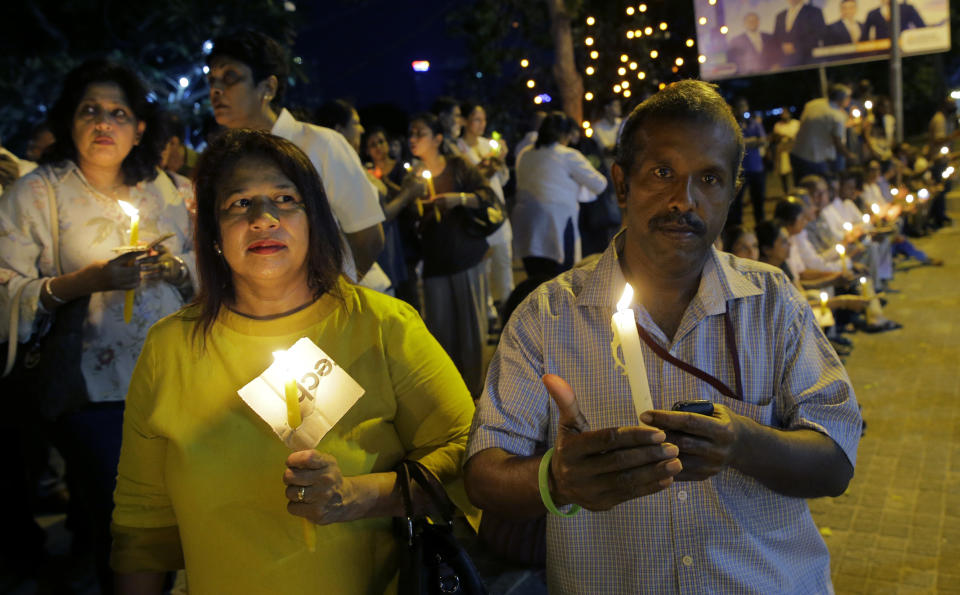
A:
x: 569, y: 82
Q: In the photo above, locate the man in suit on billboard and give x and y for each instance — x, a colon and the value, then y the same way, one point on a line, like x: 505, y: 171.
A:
x: 877, y: 25
x: 752, y: 51
x: 847, y: 29
x: 799, y: 28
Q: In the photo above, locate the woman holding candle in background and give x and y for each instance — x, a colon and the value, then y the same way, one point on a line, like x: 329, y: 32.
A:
x: 201, y: 479
x: 489, y: 156
x: 107, y: 150
x: 454, y: 244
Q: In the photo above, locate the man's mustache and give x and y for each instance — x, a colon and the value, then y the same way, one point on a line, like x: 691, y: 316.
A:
x: 674, y: 219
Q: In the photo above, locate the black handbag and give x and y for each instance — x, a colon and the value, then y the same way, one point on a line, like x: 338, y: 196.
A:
x: 431, y: 560
x: 43, y: 376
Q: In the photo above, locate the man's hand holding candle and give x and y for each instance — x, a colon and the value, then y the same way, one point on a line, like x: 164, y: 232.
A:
x: 598, y: 469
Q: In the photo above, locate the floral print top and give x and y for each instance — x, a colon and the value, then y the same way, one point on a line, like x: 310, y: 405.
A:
x: 91, y: 225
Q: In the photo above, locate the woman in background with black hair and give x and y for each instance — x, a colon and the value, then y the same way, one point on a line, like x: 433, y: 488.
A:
x: 456, y: 221
x: 549, y: 181
x: 107, y: 150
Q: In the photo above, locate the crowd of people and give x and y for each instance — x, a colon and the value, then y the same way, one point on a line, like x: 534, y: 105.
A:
x: 398, y: 260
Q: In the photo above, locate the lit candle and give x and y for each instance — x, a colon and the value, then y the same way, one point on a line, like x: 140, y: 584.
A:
x: 856, y: 113
x: 909, y: 199
x: 291, y: 393
x: 866, y: 219
x: 847, y: 226
x: 875, y: 208
x: 843, y: 256
x: 429, y: 178
x: 823, y: 303
x: 495, y: 147
x: 625, y: 335
x: 944, y: 150
x: 132, y: 212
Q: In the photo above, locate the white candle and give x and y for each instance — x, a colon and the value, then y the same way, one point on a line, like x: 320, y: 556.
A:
x: 625, y: 334
x: 134, y: 214
x: 823, y: 303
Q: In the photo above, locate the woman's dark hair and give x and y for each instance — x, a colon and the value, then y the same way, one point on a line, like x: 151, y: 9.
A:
x: 731, y: 235
x: 262, y: 54
x: 767, y: 232
x: 334, y: 114
x: 142, y: 161
x: 554, y: 127
x: 433, y: 123
x: 367, y: 134
x: 789, y: 209
x: 325, y: 252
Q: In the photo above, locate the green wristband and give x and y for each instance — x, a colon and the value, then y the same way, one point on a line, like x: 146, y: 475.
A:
x: 544, y: 481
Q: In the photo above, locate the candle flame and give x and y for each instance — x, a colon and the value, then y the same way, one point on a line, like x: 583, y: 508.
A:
x: 894, y: 191
x: 863, y: 280
x: 406, y: 165
x: 284, y: 359
x: 875, y: 208
x: 848, y: 226
x: 426, y: 174
x: 944, y: 150
x: 866, y: 218
x: 130, y: 210
x: 856, y: 113
x: 824, y: 297
x: 494, y: 144
x: 625, y: 299
x: 840, y: 249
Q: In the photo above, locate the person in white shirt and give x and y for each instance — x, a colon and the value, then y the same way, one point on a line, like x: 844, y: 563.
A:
x: 247, y: 78
x: 607, y: 129
x: 549, y: 178
x: 531, y: 136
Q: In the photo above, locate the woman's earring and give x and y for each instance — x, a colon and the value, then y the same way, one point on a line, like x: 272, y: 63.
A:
x: 217, y: 248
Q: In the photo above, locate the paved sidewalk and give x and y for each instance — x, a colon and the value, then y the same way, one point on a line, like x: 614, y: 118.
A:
x: 897, y: 529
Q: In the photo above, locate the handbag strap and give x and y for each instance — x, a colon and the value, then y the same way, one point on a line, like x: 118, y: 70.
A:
x: 14, y: 325
x: 412, y: 472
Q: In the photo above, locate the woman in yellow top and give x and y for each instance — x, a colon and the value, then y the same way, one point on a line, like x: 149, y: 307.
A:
x: 203, y: 481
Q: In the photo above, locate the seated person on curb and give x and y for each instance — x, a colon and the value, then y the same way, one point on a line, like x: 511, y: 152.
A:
x: 675, y: 500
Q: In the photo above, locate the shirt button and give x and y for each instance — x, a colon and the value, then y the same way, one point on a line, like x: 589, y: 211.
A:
x: 682, y: 496
x: 687, y: 561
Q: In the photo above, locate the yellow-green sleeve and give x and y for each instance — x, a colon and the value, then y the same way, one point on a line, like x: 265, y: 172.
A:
x: 434, y: 408
x: 144, y: 523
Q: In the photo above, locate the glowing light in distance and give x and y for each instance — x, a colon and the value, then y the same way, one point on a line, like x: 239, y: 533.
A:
x: 875, y: 208
x: 847, y: 226
x: 594, y: 55
x: 923, y: 193
x: 420, y: 65
x: 624, y: 84
x: 866, y: 218
x: 954, y: 94
x: 524, y: 63
x: 944, y: 150
x: 538, y: 100
x: 654, y: 53
x: 629, y: 34
x: 894, y: 191
x: 624, y: 57
x: 690, y: 43
x: 723, y: 30
x: 868, y: 104
x: 207, y: 46
x: 626, y: 93
x: 588, y: 96
x: 590, y: 70
x: 633, y: 66
x: 909, y: 199
x: 206, y: 69
x: 641, y: 75
x: 630, y: 10
x: 711, y: 2
x: 679, y: 62
x: 588, y: 41
x: 855, y: 113
x: 642, y: 8
x: 701, y: 58
x: 662, y: 86
x: 591, y: 20
x: 586, y: 124
x: 663, y: 26
x: 588, y: 132
x: 531, y: 84
x: 621, y: 71
x: 616, y: 88
x: 648, y: 31
x: 184, y: 82
x: 544, y: 98
x: 703, y: 20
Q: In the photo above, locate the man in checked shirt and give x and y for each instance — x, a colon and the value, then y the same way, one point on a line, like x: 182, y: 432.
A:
x: 673, y: 502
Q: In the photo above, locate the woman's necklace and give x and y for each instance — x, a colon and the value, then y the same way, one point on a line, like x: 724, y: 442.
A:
x: 274, y: 316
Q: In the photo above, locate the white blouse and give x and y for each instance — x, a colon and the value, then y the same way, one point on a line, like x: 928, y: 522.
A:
x: 91, y: 225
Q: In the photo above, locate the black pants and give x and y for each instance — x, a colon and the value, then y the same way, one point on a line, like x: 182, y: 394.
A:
x: 539, y: 266
x: 756, y: 181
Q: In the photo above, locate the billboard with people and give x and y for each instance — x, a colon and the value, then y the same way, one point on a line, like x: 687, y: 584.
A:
x: 751, y: 37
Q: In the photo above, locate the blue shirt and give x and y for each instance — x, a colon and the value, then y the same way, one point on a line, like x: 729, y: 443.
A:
x: 725, y: 534
x: 752, y: 159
